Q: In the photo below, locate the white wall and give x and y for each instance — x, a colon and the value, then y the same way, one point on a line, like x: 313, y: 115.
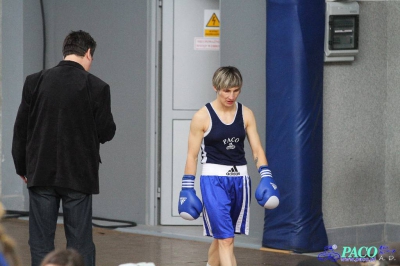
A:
x: 12, y: 194
x: 120, y: 59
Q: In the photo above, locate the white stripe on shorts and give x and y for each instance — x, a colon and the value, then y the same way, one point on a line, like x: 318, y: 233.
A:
x: 246, y: 199
x: 207, y: 229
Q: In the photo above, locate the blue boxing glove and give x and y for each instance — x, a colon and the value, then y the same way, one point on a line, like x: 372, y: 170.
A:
x: 189, y: 206
x: 267, y: 193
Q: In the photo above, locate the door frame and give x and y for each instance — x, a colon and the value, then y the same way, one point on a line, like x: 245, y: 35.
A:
x: 154, y: 22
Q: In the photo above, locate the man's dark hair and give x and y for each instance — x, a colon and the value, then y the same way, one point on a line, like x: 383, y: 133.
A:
x: 78, y: 43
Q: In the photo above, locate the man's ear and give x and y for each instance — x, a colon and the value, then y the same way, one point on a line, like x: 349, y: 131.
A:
x: 88, y: 54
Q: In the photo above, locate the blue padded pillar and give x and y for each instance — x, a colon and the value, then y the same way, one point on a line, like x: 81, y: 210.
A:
x: 295, y: 50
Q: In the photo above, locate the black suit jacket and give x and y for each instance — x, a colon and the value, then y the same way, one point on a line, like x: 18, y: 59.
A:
x: 64, y: 115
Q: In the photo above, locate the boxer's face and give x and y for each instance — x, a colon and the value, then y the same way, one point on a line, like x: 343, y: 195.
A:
x: 228, y: 96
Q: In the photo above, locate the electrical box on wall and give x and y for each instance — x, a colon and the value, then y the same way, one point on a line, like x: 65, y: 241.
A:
x: 341, y: 31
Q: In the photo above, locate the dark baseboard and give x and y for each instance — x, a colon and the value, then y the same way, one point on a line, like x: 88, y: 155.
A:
x: 369, y: 234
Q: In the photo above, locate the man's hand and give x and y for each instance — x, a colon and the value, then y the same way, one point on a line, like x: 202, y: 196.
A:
x: 24, y: 178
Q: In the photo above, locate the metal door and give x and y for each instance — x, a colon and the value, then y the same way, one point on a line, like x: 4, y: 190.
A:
x: 190, y: 55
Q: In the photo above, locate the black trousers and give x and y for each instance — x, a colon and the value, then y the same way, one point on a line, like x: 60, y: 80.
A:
x: 44, y: 203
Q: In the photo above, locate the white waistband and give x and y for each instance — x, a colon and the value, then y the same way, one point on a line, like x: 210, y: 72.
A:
x: 224, y: 170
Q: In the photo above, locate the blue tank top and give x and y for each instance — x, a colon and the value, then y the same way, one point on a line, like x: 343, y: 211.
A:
x: 224, y: 143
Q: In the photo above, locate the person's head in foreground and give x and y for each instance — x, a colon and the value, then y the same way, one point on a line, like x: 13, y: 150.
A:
x: 64, y: 257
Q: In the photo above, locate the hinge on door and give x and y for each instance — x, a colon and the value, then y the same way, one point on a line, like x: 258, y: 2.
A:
x: 158, y: 193
x: 160, y: 3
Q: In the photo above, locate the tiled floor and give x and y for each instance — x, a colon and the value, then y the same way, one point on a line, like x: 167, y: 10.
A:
x: 162, y: 245
x: 188, y: 233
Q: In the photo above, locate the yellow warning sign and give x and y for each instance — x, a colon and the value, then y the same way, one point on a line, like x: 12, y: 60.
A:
x: 213, y: 22
x: 211, y: 33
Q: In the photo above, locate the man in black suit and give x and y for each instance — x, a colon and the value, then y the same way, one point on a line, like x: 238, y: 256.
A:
x: 64, y: 115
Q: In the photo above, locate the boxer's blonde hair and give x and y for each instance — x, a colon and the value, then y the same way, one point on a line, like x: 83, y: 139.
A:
x: 227, y: 77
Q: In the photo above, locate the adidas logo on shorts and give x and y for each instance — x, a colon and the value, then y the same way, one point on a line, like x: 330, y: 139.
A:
x: 233, y: 172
